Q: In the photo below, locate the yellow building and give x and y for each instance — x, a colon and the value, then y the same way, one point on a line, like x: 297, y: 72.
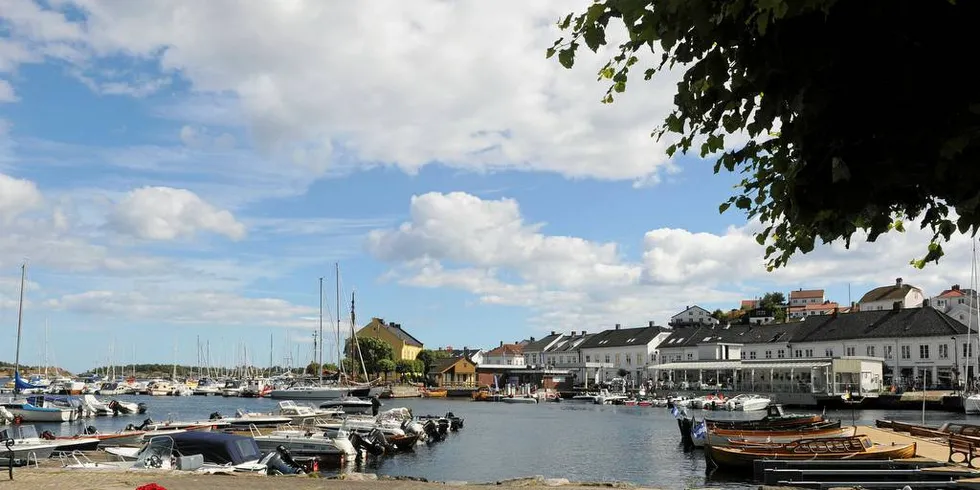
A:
x: 402, y: 343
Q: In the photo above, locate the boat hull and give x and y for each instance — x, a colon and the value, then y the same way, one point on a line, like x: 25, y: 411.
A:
x: 518, y: 399
x: 319, y: 393
x: 741, y: 459
x: 34, y: 414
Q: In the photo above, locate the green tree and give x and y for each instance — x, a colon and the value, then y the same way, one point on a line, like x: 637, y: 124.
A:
x: 428, y: 356
x: 844, y: 134
x: 372, y: 350
x: 313, y: 369
x: 719, y: 315
x: 776, y: 303
x: 386, y: 366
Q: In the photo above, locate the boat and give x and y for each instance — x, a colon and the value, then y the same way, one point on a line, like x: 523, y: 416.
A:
x: 28, y: 434
x: 843, y: 448
x: 728, y: 437
x: 519, y: 399
x: 206, y: 387
x: 188, y: 451
x: 748, y: 403
x: 126, y: 408
x: 25, y: 448
x: 92, y: 406
x: 945, y: 430
x: 435, y: 393
x: 304, y: 443
x: 775, y: 419
x: 40, y: 408
x: 232, y: 388
x: 305, y: 390
x: 348, y: 404
x: 230, y: 451
x: 586, y: 397
x: 971, y: 404
x: 297, y: 412
x: 160, y: 388
x: 110, y: 389
x: 245, y: 419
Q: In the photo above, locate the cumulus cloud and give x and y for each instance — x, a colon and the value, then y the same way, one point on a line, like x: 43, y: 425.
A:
x: 486, y: 247
x: 7, y: 92
x: 16, y: 197
x: 165, y: 213
x: 464, y: 84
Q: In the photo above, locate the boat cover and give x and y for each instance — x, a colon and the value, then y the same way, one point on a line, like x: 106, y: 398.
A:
x: 20, y: 384
x: 217, y: 447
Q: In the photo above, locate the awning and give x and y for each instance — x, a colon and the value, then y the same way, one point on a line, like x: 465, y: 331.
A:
x: 739, y: 365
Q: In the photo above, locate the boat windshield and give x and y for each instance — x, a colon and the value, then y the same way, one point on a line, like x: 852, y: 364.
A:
x: 155, y: 453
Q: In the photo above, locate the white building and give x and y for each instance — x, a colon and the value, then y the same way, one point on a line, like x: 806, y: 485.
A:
x: 535, y: 349
x: 505, y: 355
x: 474, y: 355
x: 885, y: 297
x: 693, y: 315
x: 630, y: 349
x: 958, y: 303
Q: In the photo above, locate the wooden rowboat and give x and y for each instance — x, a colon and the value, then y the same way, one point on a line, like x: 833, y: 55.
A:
x: 768, y: 423
x: 844, y: 448
x: 728, y: 437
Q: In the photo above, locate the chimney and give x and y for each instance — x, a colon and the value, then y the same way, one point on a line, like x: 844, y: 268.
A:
x: 554, y: 332
x: 925, y: 303
x: 956, y: 287
x: 501, y: 343
x: 836, y: 311
x: 573, y: 333
x: 897, y: 305
x: 617, y: 326
x: 651, y: 323
x: 583, y: 333
x: 466, y: 352
x: 532, y: 339
x: 898, y: 282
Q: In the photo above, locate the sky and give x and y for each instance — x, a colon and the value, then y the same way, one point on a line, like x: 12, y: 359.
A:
x: 183, y: 173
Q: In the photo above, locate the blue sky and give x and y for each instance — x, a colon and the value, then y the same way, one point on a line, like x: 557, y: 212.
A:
x: 190, y: 170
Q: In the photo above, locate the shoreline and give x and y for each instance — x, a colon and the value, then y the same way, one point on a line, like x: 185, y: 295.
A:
x: 59, y: 478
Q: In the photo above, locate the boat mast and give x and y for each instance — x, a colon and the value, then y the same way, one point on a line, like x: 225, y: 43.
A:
x: 340, y: 360
x: 320, y: 338
x: 353, y: 336
x: 45, y: 348
x: 20, y: 323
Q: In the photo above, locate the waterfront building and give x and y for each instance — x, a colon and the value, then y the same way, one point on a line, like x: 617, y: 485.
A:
x: 474, y: 355
x: 809, y: 302
x: 958, y: 303
x: 886, y: 297
x: 403, y: 344
x: 892, y: 348
x: 511, y: 355
x: 457, y: 372
x: 629, y: 349
x: 693, y: 315
x: 534, y: 350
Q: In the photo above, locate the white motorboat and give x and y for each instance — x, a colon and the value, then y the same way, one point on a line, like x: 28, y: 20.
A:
x: 348, y: 404
x: 163, y: 453
x: 109, y: 389
x: 206, y: 387
x: 519, y: 399
x: 606, y: 398
x: 92, y: 406
x: 586, y: 397
x: 748, y: 403
x: 36, y: 409
x: 232, y: 388
x: 160, y: 388
x: 297, y: 412
x: 971, y: 403
x: 300, y: 391
x: 27, y: 434
x: 244, y: 419
x: 300, y: 442
x: 126, y: 408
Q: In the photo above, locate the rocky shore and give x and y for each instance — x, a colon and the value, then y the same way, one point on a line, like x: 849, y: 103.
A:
x: 60, y: 479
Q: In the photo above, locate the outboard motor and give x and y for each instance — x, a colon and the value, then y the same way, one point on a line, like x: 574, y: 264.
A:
x: 144, y: 425
x: 114, y: 406
x: 141, y: 408
x: 215, y: 416
x: 91, y: 430
x: 367, y: 444
x: 455, y: 423
x: 281, y: 462
x: 432, y: 430
x: 130, y: 427
x: 443, y: 426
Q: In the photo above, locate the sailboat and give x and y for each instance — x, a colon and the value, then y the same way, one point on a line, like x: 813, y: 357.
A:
x: 323, y: 390
x: 971, y: 399
x: 36, y: 409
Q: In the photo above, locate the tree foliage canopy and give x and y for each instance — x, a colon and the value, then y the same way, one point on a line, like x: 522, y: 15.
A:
x: 860, y: 113
x: 373, y: 351
x: 428, y: 356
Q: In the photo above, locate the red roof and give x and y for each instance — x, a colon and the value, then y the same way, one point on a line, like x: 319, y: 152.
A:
x: 952, y: 293
x: 507, y: 350
x: 806, y: 293
x: 749, y: 303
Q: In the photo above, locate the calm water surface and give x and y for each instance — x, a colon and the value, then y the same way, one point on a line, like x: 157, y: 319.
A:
x: 562, y: 440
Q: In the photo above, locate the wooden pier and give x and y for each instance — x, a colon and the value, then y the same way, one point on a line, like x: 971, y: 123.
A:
x: 925, y: 447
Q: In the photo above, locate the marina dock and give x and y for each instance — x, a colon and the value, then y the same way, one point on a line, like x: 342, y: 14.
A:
x: 930, y: 448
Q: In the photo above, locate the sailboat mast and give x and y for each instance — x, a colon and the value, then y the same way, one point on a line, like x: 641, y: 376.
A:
x: 340, y: 360
x: 320, y: 337
x: 353, y: 336
x: 20, y: 324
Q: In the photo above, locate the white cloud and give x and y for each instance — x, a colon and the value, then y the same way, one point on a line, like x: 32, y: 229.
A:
x: 485, y: 247
x: 465, y: 84
x: 193, y: 307
x: 16, y: 197
x: 165, y: 213
x: 7, y: 92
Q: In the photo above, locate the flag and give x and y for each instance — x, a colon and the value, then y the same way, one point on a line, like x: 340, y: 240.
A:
x: 699, y: 431
x: 675, y: 412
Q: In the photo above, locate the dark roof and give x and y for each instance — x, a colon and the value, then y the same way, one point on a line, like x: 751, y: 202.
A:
x: 441, y: 365
x: 541, y: 344
x: 623, y: 337
x: 396, y: 330
x: 467, y: 353
x: 909, y: 322
x: 569, y: 343
x: 894, y: 292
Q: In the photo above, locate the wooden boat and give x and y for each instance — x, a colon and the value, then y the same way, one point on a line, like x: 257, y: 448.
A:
x: 405, y: 442
x: 842, y: 448
x: 945, y: 430
x: 768, y: 423
x: 729, y: 437
x: 436, y: 393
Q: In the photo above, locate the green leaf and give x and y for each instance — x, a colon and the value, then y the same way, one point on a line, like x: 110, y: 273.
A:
x: 743, y: 203
x: 607, y: 72
x: 567, y: 57
x: 761, y: 23
x: 724, y: 207
x: 549, y: 53
x: 619, y: 87
x: 594, y: 37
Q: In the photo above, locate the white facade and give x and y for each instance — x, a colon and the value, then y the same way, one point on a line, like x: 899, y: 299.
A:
x: 694, y: 315
x: 632, y: 358
x: 504, y: 356
x: 806, y: 297
x: 913, y: 299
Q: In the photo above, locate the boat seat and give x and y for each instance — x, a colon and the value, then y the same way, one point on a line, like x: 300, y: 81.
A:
x: 963, y: 450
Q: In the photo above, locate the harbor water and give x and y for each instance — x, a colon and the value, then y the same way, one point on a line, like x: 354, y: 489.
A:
x: 577, y: 441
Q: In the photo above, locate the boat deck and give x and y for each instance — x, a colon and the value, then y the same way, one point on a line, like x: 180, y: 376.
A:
x: 926, y: 447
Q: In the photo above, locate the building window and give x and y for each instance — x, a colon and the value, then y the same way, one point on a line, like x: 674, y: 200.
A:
x: 617, y: 359
x: 888, y: 352
x: 752, y: 355
x: 768, y: 354
x: 588, y: 358
x: 743, y: 354
x: 906, y: 352
x: 923, y: 351
x: 629, y: 359
x: 871, y: 351
x: 690, y: 356
x: 653, y: 358
x: 798, y: 353
x: 561, y: 360
x: 510, y: 361
x: 781, y: 353
x: 849, y: 351
x: 828, y: 352
x: 968, y: 350
x: 809, y: 352
x: 944, y: 351
x: 607, y: 358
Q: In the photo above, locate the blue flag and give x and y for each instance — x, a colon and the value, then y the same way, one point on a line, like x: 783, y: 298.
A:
x: 700, y: 430
x: 675, y: 412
